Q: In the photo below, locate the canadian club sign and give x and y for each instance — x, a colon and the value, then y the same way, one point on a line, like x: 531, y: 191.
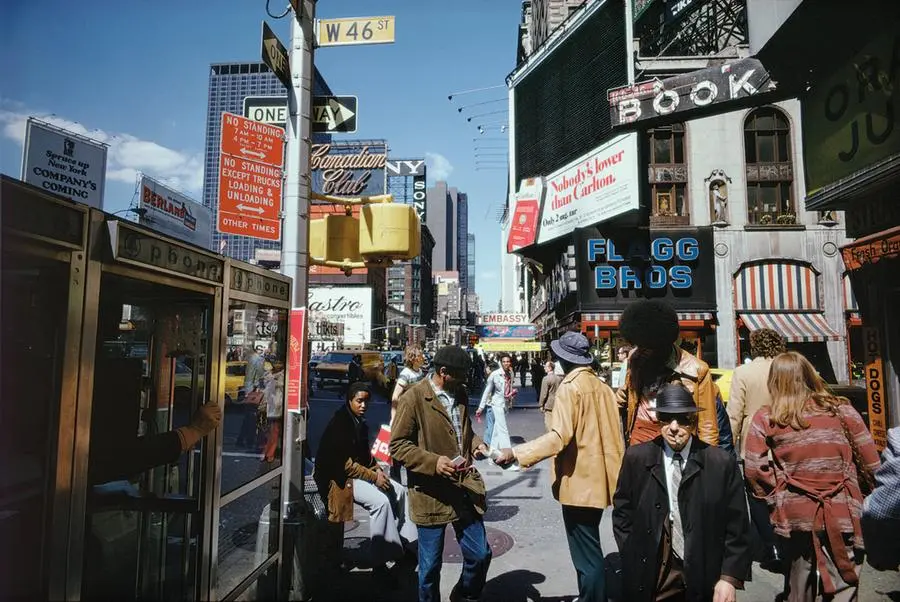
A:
x: 688, y: 92
x: 348, y: 170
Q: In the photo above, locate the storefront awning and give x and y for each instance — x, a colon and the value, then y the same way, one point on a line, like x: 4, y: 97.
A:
x: 851, y: 306
x: 872, y: 249
x: 795, y: 327
x: 609, y: 320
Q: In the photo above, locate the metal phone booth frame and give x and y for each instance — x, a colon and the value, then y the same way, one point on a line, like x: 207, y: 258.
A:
x: 88, y: 248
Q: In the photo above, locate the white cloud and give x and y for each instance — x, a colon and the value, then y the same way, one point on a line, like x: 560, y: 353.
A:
x: 127, y: 154
x: 439, y: 167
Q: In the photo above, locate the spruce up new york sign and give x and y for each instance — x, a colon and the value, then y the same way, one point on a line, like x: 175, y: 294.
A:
x: 349, y: 168
x: 616, y: 266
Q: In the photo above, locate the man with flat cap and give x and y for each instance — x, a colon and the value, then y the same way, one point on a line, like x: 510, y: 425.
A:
x: 585, y: 440
x: 679, y: 513
x: 433, y: 438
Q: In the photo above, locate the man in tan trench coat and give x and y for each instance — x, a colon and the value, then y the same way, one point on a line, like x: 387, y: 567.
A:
x: 587, y: 446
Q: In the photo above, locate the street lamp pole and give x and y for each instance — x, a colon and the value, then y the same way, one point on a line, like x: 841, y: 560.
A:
x: 294, y: 237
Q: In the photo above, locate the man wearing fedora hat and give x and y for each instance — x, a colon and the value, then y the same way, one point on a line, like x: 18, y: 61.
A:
x: 585, y: 440
x: 679, y: 513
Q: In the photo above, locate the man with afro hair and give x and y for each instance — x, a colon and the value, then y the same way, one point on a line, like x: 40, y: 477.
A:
x: 651, y: 325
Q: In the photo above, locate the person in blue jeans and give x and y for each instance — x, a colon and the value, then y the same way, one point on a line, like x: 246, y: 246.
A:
x: 498, y: 390
x: 432, y: 437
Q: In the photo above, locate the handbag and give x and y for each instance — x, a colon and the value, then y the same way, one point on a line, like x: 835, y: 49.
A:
x: 864, y: 474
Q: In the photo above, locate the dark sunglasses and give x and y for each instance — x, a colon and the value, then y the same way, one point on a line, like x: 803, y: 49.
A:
x: 681, y: 419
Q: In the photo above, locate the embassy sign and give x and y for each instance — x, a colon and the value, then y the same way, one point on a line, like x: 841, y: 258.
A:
x: 616, y: 266
x: 689, y: 92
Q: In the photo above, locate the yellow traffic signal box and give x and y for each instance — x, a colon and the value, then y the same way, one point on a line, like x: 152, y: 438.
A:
x: 389, y: 230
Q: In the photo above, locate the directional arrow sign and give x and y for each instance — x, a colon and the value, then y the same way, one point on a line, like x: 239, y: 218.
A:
x: 275, y: 55
x: 335, y: 114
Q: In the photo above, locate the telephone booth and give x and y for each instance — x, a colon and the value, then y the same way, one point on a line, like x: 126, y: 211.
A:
x: 113, y: 336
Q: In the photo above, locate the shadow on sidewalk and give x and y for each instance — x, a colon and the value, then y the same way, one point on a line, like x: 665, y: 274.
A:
x: 518, y: 586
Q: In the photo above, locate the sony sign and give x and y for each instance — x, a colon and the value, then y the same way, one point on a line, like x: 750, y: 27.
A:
x: 689, y: 91
x: 414, y: 168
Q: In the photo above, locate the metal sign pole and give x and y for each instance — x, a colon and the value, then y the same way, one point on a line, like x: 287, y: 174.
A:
x: 295, y: 234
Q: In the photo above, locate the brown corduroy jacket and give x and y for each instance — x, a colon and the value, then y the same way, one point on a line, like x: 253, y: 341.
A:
x: 422, y: 431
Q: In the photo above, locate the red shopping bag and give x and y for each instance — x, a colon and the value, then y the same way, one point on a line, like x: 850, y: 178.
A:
x: 381, y: 449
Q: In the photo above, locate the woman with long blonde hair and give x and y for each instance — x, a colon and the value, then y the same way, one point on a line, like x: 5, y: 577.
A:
x: 414, y: 359
x: 806, y: 455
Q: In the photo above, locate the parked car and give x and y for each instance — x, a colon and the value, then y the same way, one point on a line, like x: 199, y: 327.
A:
x: 332, y: 369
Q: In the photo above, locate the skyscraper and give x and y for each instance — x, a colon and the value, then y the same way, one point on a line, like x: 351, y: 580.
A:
x: 470, y: 262
x: 461, y: 242
x: 448, y: 219
x: 441, y: 218
x: 229, y: 84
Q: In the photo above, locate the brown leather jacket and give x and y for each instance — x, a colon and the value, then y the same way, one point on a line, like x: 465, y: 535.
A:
x: 585, y: 440
x: 694, y: 374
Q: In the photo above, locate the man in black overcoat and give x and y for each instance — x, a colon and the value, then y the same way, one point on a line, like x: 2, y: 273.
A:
x: 680, y: 513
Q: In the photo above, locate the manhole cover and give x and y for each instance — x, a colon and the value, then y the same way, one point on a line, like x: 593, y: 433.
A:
x: 500, y: 543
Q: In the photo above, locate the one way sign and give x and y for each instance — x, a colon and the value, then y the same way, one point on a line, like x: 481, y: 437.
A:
x: 335, y: 114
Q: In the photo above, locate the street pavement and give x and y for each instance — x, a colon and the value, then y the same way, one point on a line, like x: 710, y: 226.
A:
x: 531, y: 558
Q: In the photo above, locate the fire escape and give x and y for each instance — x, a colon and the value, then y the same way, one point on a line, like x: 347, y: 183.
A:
x: 702, y: 28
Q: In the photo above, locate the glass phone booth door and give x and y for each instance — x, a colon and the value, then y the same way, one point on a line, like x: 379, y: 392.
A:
x: 144, y: 523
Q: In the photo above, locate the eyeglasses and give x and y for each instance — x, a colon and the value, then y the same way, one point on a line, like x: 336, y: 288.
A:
x: 681, y: 419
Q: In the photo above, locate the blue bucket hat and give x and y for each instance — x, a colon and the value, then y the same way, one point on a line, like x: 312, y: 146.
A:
x: 574, y: 348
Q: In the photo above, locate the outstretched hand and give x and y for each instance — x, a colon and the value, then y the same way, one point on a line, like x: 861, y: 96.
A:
x: 506, y: 457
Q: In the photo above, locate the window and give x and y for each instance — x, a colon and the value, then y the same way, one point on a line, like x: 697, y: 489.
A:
x: 669, y: 199
x: 668, y: 173
x: 770, y: 174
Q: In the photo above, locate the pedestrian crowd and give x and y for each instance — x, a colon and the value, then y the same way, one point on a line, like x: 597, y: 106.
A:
x: 787, y: 474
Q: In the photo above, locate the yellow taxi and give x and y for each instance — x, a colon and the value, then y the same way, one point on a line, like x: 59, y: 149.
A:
x: 722, y: 378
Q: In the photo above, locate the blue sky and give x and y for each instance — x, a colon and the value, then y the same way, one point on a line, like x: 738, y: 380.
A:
x: 134, y: 74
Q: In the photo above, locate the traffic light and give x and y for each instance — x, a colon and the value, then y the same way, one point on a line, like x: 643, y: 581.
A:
x: 384, y: 232
x: 389, y: 231
x: 335, y: 238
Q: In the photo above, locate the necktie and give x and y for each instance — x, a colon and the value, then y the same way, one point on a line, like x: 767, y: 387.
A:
x: 677, y: 532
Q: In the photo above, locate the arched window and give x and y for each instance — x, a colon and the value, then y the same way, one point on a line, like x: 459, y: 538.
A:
x: 668, y: 174
x: 770, y: 171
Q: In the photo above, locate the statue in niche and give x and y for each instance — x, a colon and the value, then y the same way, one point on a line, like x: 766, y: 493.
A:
x: 717, y: 183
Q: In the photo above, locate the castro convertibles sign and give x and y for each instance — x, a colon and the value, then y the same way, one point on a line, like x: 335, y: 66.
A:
x: 350, y: 306
x: 615, y: 266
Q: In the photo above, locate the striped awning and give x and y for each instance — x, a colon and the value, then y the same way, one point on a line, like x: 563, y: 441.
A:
x: 851, y: 306
x: 611, y: 319
x: 795, y: 327
x: 776, y: 286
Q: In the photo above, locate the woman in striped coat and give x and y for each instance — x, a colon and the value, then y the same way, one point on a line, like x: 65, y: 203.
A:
x: 800, y: 458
